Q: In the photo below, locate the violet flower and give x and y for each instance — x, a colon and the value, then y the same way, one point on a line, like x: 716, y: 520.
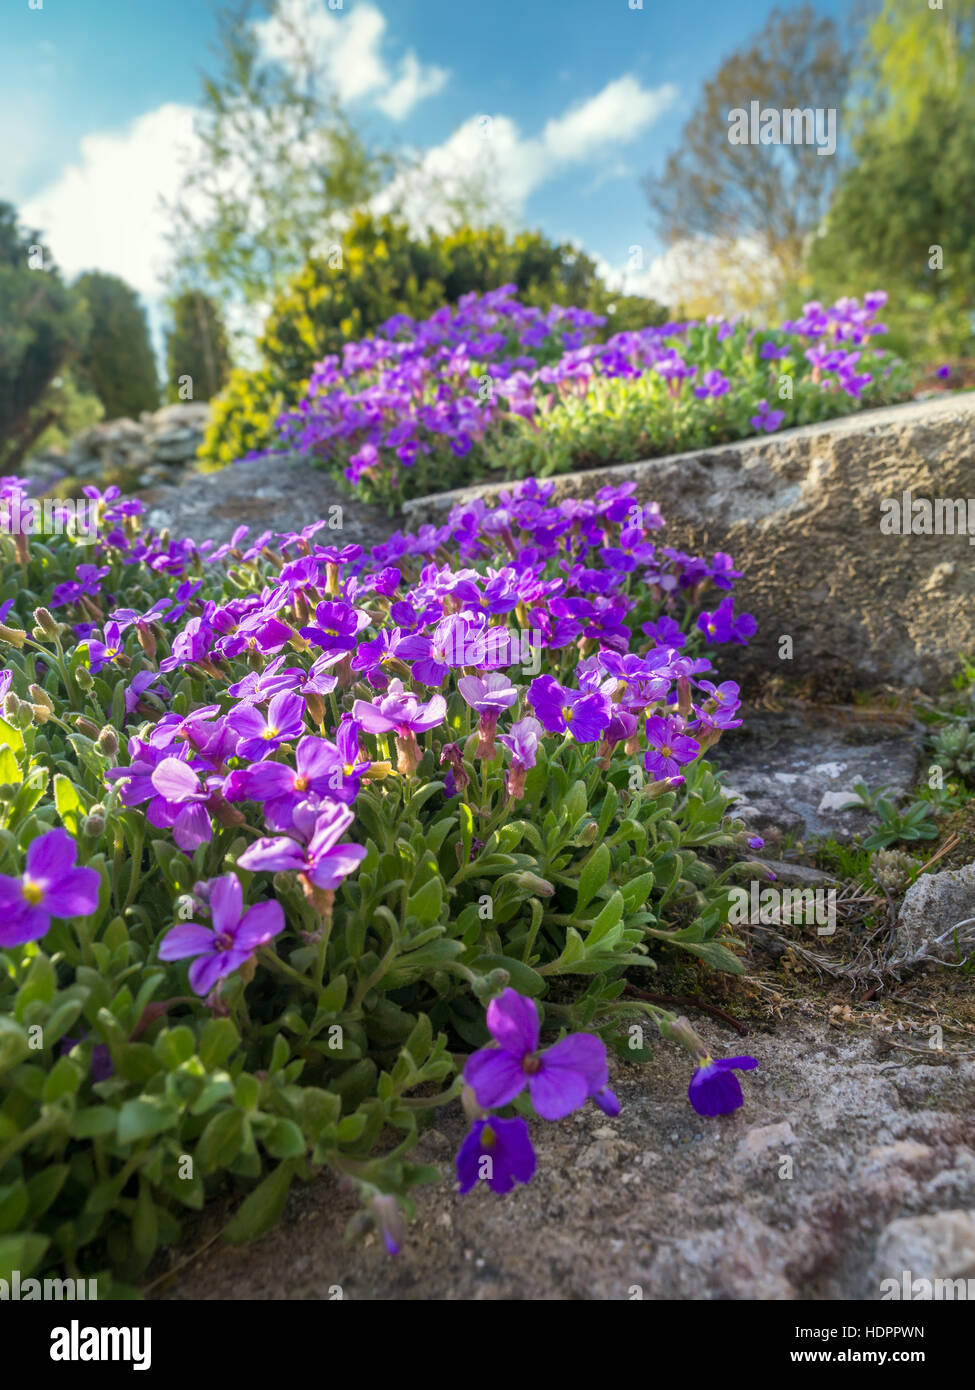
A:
x: 232, y: 939
x: 559, y: 1080
x: 50, y: 886
x: 488, y: 695
x: 499, y: 1151
x: 323, y: 860
x: 259, y: 734
x: 714, y: 1089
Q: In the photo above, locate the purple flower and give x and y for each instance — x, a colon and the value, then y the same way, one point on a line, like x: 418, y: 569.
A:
x: 50, y: 886
x: 323, y: 860
x: 489, y: 695
x: 944, y: 372
x: 180, y: 804
x: 723, y: 626
x: 259, y: 735
x: 232, y: 939
x: 499, y: 1151
x: 399, y: 711
x: 559, y: 1080
x: 669, y: 747
x: 714, y: 1088
x: 584, y: 716
x: 766, y: 419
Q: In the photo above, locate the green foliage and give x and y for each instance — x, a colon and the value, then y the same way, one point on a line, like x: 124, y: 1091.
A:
x: 344, y: 1039
x: 43, y: 328
x: 913, y: 823
x: 911, y: 187
x: 196, y: 347
x: 117, y: 362
x: 905, y: 216
x: 380, y: 269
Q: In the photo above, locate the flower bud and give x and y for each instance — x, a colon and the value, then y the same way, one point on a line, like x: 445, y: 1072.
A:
x: 11, y: 705
x: 41, y: 697
x: 389, y: 1219
x: 45, y: 622
x: 679, y: 1030
x: 107, y: 741
x: 86, y: 727
x: 468, y: 1100
x: 534, y: 884
x: 16, y: 636
x: 83, y: 678
x: 94, y: 824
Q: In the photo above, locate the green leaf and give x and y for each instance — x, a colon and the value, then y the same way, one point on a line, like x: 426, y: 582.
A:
x: 220, y: 1142
x: 284, y: 1140
x: 593, y: 877
x: 426, y: 904
x: 263, y: 1207
x: 21, y: 1252
x: 217, y: 1042
x: 70, y: 806
x: 716, y: 955
x: 142, y: 1118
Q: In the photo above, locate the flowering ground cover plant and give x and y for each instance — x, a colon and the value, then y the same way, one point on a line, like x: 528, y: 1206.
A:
x: 301, y: 843
x: 499, y: 385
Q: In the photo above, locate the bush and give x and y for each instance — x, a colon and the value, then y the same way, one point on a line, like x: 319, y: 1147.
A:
x: 501, y: 387
x: 117, y: 363
x: 196, y: 347
x: 44, y: 326
x: 207, y: 749
x: 379, y: 271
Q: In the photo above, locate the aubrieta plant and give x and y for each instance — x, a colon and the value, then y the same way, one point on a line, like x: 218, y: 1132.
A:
x: 498, y: 385
x: 301, y: 843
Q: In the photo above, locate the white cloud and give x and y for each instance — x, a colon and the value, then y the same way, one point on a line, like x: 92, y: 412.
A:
x: 415, y: 84
x: 105, y: 211
x: 616, y: 114
x: 490, y: 152
x: 346, y: 46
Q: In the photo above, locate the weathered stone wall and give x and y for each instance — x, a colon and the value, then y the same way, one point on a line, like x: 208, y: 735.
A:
x: 801, y: 513
x: 156, y: 448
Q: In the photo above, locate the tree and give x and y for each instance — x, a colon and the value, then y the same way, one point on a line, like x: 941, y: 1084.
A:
x: 763, y: 199
x: 43, y: 328
x: 278, y: 166
x: 903, y: 216
x: 196, y: 348
x: 117, y: 362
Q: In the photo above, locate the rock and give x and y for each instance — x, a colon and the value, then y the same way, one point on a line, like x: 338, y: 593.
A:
x: 801, y: 511
x: 762, y: 1138
x: 796, y: 770
x: 941, y: 1246
x: 796, y: 875
x: 932, y: 905
x: 125, y: 449
x: 663, y: 1204
x: 285, y: 497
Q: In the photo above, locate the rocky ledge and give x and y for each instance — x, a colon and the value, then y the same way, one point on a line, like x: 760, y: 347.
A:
x: 156, y: 448
x: 843, y: 600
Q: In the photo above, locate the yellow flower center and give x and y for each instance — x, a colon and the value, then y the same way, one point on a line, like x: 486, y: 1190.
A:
x: 666, y: 751
x: 488, y: 1137
x: 567, y: 713
x: 33, y: 892
x: 301, y: 784
x: 269, y: 733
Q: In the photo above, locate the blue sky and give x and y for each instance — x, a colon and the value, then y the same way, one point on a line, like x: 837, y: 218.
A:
x: 585, y: 97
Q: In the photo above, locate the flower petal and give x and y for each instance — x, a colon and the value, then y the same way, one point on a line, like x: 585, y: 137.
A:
x: 512, y: 1021
x: 495, y: 1075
